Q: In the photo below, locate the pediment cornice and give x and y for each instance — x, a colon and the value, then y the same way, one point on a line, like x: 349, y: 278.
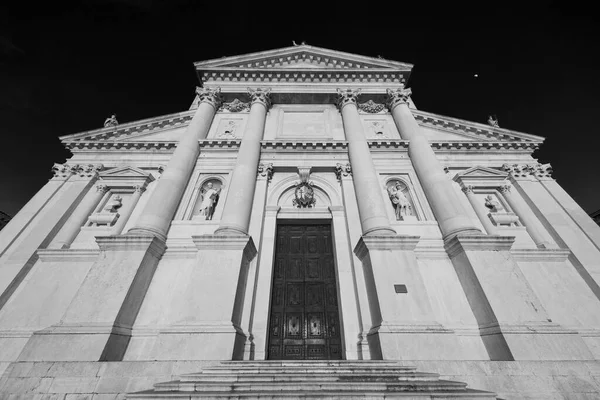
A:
x: 472, y: 129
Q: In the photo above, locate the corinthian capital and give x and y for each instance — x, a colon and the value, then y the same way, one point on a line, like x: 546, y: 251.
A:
x: 398, y: 96
x: 262, y: 96
x: 467, y: 189
x: 63, y: 171
x: 210, y: 96
x: 348, y: 96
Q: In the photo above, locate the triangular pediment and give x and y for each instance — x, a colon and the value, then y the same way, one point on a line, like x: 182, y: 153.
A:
x: 483, y: 172
x: 125, y: 171
x: 302, y: 57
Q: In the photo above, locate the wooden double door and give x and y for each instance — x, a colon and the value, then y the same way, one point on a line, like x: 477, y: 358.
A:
x: 304, y: 320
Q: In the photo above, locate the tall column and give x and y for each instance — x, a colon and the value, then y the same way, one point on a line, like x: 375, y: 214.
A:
x: 158, y: 213
x: 73, y: 225
x: 525, y: 215
x: 238, y: 205
x: 126, y: 213
x: 480, y: 210
x: 371, y: 208
x: 444, y: 201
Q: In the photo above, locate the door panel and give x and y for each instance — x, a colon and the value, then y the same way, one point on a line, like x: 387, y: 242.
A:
x: 304, y: 318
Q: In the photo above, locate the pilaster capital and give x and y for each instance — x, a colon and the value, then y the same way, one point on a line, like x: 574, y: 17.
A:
x: 343, y: 170
x: 261, y: 96
x: 102, y: 188
x: 397, y: 97
x: 504, y: 189
x: 139, y: 189
x: 467, y: 189
x: 89, y: 170
x: 64, y: 171
x: 265, y: 170
x: 347, y: 96
x: 539, y: 171
x: 210, y: 96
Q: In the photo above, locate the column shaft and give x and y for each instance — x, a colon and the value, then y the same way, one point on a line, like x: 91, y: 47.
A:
x: 158, y: 213
x: 443, y: 199
x: 238, y: 205
x: 480, y: 211
x: 73, y: 225
x: 527, y: 217
x: 371, y: 208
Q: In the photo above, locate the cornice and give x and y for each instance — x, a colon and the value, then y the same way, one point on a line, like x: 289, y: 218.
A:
x: 128, y: 146
x: 470, y: 128
x: 142, y: 126
x: 304, y: 145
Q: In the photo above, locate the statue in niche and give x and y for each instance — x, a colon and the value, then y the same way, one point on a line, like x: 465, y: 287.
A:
x: 210, y: 198
x: 493, y: 205
x: 400, y: 202
x: 111, y: 121
x: 114, y: 204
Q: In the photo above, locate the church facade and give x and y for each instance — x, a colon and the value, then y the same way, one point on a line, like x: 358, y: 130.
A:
x: 303, y: 208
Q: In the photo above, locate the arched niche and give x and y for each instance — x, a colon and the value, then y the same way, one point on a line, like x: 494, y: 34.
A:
x: 208, y: 198
x: 400, y: 199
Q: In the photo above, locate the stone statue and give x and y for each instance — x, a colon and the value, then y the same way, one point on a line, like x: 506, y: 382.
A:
x: 493, y: 205
x: 209, y: 201
x: 114, y: 204
x: 111, y: 121
x: 399, y: 201
x: 493, y: 121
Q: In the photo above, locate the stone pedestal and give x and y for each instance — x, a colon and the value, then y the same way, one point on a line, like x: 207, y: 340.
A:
x: 403, y: 323
x: 97, y: 323
x: 512, y: 321
x: 211, y: 313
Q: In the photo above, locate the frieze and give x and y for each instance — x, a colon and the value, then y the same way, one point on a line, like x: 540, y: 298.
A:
x: 265, y: 77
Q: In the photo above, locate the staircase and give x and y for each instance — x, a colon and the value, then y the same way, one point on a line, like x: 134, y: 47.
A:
x: 311, y: 380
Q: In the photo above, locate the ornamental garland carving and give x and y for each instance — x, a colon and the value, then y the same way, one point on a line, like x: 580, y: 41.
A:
x: 397, y: 97
x: 210, y: 96
x: 236, y: 106
x: 347, y: 96
x: 540, y: 171
x: 262, y: 96
x: 371, y: 107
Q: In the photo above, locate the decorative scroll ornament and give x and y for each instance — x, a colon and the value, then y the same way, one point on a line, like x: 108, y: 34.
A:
x: 210, y: 96
x: 266, y: 170
x: 262, y: 96
x: 304, y: 195
x: 348, y: 96
x: 396, y: 97
x: 371, y: 107
x: 236, y: 106
x: 342, y: 170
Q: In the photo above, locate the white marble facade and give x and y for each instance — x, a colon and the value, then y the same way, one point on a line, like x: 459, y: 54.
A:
x: 114, y: 259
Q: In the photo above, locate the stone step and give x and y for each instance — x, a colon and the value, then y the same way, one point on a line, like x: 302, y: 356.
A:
x: 301, y: 377
x: 310, y: 379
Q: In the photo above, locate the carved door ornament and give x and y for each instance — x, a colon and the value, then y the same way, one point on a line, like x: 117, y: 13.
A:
x: 304, y: 195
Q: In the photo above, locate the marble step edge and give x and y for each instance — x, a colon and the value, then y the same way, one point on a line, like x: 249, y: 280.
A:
x: 236, y: 387
x: 300, y: 370
x: 468, y: 394
x: 261, y: 376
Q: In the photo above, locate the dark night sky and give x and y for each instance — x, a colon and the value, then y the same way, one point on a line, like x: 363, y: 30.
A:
x: 65, y: 67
